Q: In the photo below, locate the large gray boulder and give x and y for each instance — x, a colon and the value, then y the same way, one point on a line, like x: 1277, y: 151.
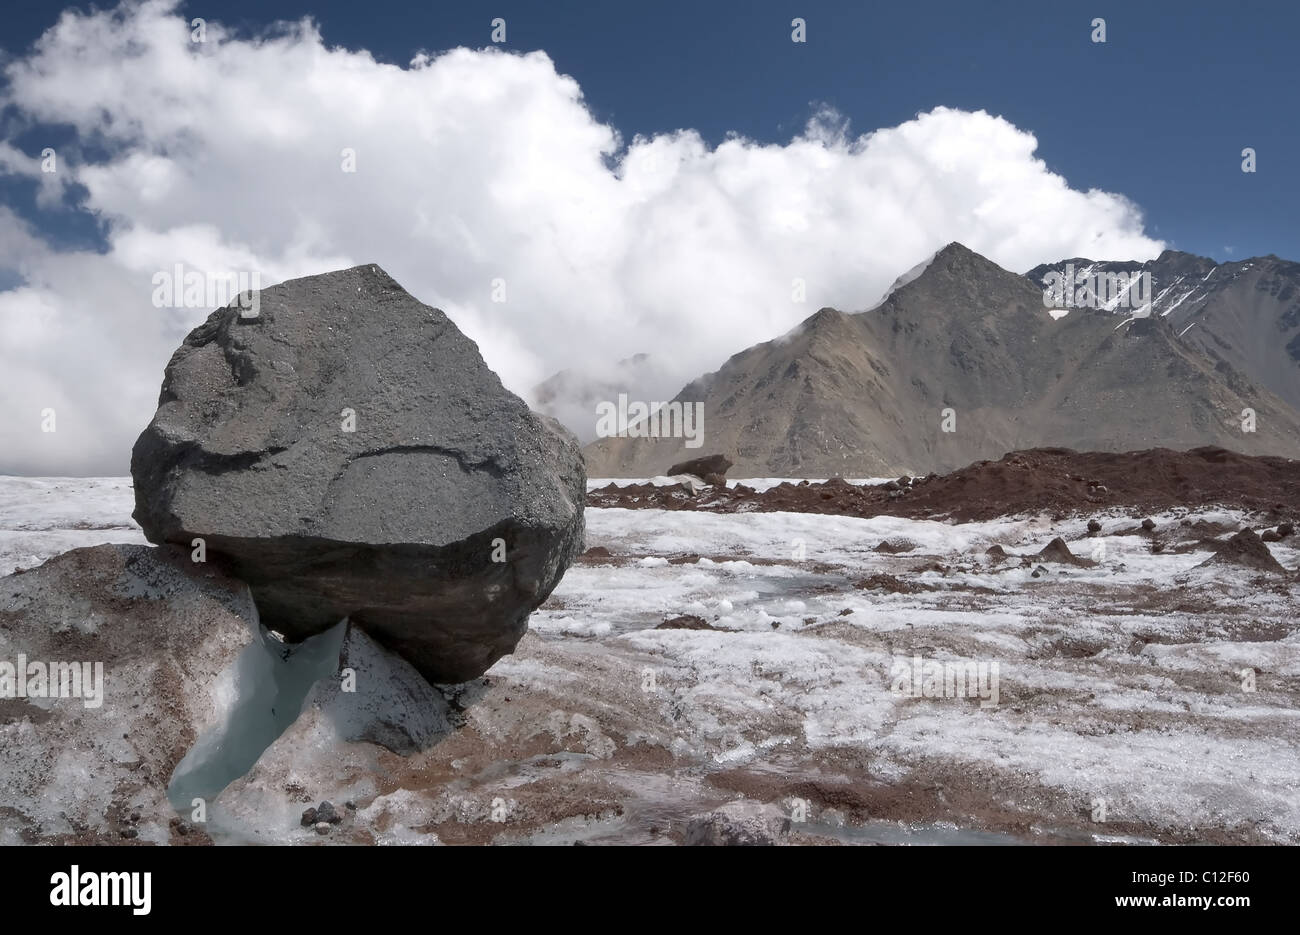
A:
x: 347, y: 452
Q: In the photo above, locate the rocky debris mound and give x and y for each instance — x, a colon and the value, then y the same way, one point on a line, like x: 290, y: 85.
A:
x: 347, y: 452
x: 895, y: 545
x: 1282, y: 531
x: 704, y: 468
x: 1040, y: 480
x: 883, y: 581
x: 682, y: 486
x: 739, y: 824
x: 1245, y: 550
x: 686, y: 622
x: 129, y: 654
x: 1130, y: 530
x: 323, y: 814
x: 1189, y: 536
x: 1057, y: 551
x: 1206, y: 529
x: 596, y: 553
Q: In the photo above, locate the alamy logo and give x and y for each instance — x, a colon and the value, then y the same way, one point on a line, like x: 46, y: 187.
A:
x: 651, y: 420
x: 182, y: 288
x: 928, y: 678
x: 103, y: 889
x: 1086, y: 289
x: 25, y: 679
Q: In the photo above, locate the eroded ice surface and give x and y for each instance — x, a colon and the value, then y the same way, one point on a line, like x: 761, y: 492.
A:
x: 1120, y: 684
x: 41, y: 517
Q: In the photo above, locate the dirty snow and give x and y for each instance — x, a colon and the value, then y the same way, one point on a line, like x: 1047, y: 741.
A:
x: 1162, y: 696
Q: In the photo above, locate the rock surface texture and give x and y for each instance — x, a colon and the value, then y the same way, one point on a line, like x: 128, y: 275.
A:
x: 347, y: 452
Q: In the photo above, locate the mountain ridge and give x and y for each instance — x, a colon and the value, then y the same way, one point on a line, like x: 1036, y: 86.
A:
x: 969, y: 346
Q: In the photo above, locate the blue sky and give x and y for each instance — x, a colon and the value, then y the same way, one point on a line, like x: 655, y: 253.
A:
x: 1160, y: 112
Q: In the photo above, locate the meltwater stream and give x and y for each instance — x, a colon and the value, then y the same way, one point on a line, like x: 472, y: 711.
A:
x: 271, y: 683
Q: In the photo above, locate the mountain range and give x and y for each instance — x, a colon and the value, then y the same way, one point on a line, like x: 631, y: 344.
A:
x: 962, y: 360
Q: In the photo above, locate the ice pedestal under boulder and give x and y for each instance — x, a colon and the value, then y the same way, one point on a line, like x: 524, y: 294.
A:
x: 270, y: 682
x: 348, y: 453
x: 366, y: 701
